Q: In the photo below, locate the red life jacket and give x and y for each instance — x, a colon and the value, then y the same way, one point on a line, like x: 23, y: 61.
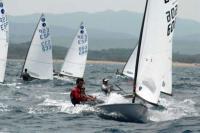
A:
x: 75, y: 96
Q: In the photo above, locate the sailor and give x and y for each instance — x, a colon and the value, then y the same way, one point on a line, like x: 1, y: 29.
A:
x: 105, y: 87
x: 117, y: 72
x: 25, y: 75
x: 55, y: 73
x: 78, y: 94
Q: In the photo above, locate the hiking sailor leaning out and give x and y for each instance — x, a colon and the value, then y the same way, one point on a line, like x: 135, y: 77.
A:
x: 78, y: 93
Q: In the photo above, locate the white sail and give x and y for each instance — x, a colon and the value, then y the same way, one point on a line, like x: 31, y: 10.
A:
x: 171, y: 12
x: 75, y: 60
x: 129, y: 69
x: 4, y: 29
x: 155, y: 49
x: 39, y: 62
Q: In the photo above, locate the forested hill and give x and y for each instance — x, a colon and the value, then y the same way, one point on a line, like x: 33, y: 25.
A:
x: 19, y: 51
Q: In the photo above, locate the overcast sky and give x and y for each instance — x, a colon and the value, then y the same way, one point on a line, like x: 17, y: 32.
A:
x: 187, y: 8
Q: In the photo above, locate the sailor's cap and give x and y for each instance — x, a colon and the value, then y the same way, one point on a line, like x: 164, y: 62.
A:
x: 105, y: 80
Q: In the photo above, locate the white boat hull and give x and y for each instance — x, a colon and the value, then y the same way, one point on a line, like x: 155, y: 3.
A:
x: 130, y: 112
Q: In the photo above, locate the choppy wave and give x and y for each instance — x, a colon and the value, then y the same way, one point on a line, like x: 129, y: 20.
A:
x: 44, y: 106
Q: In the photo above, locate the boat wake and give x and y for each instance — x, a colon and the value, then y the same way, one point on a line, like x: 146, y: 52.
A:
x: 173, y: 110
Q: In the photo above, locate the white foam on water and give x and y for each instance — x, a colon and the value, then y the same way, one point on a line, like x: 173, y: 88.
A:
x: 4, y: 108
x: 79, y: 108
x: 8, y: 84
x: 64, y: 93
x: 112, y: 98
x: 174, y: 110
x: 61, y: 106
x: 116, y: 98
x: 18, y: 87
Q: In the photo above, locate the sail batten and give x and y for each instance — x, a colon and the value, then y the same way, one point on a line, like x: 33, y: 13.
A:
x: 75, y: 59
x: 39, y: 62
x: 154, y: 66
x: 4, y: 40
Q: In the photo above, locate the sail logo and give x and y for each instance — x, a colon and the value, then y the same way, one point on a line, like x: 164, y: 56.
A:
x: 171, y: 19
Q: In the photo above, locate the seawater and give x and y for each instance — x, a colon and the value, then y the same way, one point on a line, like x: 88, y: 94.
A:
x: 44, y: 106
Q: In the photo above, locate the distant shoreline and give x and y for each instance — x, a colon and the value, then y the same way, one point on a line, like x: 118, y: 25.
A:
x: 179, y: 64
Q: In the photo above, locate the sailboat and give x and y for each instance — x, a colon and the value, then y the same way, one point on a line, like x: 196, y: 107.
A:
x: 76, y: 57
x: 38, y: 61
x: 153, y: 62
x: 129, y: 70
x: 4, y: 39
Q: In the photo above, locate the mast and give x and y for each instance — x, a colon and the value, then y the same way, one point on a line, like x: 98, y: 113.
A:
x: 138, y: 53
x: 30, y: 44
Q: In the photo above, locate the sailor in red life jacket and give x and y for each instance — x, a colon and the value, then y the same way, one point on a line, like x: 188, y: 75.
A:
x: 78, y: 93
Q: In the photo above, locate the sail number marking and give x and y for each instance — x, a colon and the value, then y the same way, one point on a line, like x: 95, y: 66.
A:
x: 46, y: 44
x: 83, y: 50
x: 3, y: 23
x: 171, y: 19
x: 82, y: 40
x: 44, y: 33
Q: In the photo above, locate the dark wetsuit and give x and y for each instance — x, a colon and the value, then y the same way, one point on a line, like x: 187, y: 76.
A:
x: 26, y: 77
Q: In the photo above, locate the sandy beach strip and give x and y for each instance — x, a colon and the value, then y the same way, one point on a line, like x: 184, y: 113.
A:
x: 177, y: 64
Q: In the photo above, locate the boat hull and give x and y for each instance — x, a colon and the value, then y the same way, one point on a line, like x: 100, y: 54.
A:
x: 130, y: 112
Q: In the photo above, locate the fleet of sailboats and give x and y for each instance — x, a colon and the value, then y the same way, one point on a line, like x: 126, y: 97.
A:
x: 153, y: 66
x: 150, y: 64
x: 4, y: 40
x: 38, y: 61
x: 76, y: 57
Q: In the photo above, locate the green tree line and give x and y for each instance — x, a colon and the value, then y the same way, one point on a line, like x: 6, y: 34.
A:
x: 19, y: 51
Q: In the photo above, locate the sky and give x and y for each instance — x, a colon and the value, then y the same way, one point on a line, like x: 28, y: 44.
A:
x: 189, y: 9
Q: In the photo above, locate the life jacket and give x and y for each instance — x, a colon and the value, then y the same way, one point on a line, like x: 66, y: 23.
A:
x: 73, y: 98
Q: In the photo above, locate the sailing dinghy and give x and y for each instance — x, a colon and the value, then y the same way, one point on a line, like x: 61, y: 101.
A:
x: 128, y: 68
x: 153, y: 62
x: 76, y: 57
x: 38, y: 61
x: 4, y: 39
